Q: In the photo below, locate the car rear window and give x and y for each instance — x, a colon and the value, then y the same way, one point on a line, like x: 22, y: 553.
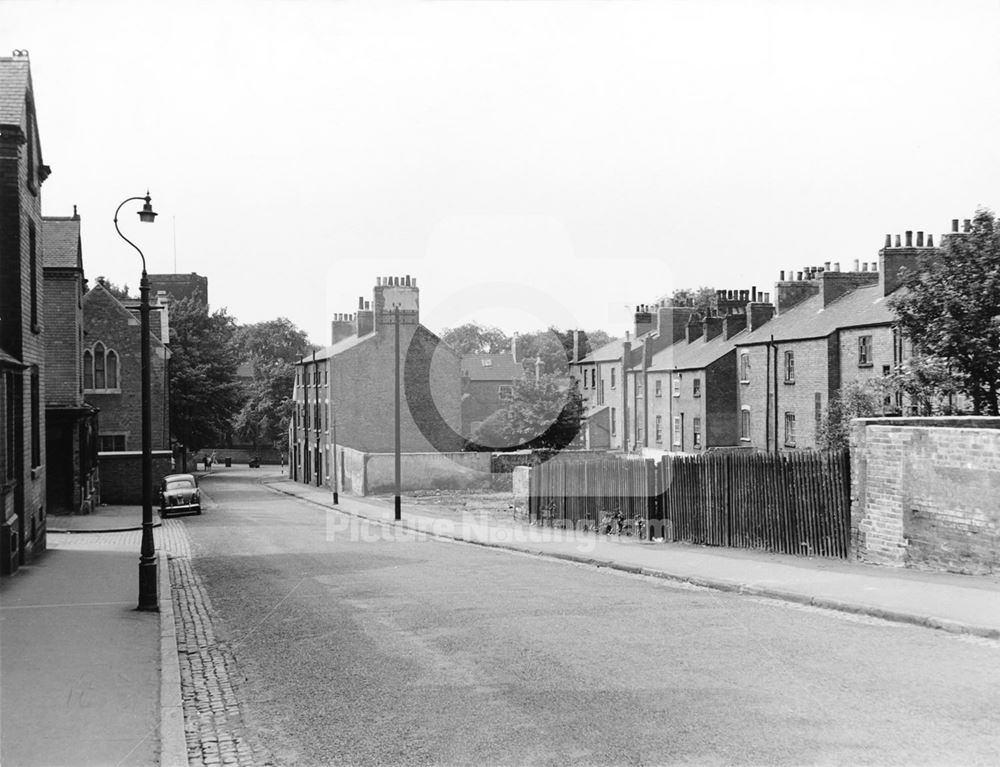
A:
x: 180, y: 484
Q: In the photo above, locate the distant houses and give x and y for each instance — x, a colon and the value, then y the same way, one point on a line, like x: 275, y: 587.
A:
x: 749, y: 372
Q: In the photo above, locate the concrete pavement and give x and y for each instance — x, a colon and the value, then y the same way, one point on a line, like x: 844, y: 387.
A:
x: 951, y: 602
x: 87, y: 678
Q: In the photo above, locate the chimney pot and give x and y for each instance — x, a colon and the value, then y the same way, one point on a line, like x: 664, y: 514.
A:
x: 874, y: 266
x: 378, y: 282
x: 753, y: 293
x: 781, y: 276
x: 856, y: 265
x: 954, y: 225
x: 909, y: 238
x: 897, y: 242
x: 836, y: 266
x: 826, y: 266
x: 407, y: 280
x: 888, y: 240
x: 930, y: 240
x: 967, y: 225
x: 864, y: 266
x: 413, y: 282
x: 361, y: 302
x: 800, y: 276
x: 920, y: 239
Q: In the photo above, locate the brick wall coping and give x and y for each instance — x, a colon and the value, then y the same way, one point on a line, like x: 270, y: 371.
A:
x: 946, y: 421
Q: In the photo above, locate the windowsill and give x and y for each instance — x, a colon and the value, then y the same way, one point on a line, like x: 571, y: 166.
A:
x: 789, y: 444
x: 789, y: 383
x: 102, y: 391
x: 866, y: 364
x: 744, y: 380
x: 696, y: 396
x: 744, y: 439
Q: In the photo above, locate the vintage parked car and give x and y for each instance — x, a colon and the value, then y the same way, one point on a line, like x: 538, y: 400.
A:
x: 179, y: 494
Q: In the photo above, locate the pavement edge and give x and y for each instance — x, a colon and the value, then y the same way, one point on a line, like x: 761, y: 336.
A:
x: 173, y: 743
x: 717, y: 584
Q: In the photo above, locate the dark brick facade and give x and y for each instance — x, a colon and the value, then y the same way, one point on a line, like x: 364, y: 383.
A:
x: 116, y: 329
x: 23, y: 500
x: 71, y: 425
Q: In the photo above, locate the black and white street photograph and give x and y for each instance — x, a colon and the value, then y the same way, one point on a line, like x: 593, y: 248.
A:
x: 444, y: 383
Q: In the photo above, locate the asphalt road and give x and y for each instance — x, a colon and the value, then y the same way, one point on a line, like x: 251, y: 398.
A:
x: 361, y: 650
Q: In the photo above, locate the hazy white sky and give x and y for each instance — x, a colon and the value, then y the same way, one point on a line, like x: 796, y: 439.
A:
x: 530, y: 162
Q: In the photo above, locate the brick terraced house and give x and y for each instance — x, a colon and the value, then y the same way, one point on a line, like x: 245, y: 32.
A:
x: 487, y: 385
x: 350, y: 386
x: 23, y: 497
x: 71, y: 425
x: 831, y: 328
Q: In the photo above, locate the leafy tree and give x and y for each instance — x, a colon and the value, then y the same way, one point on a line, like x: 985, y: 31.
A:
x: 270, y: 349
x: 928, y: 382
x: 856, y: 399
x: 951, y: 310
x: 204, y: 393
x: 697, y: 297
x: 118, y: 291
x: 472, y: 338
x: 540, y: 414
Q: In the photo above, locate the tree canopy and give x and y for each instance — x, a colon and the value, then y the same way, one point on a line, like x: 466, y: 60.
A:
x: 951, y: 309
x: 539, y: 415
x: 473, y: 338
x: 204, y: 393
x: 270, y: 349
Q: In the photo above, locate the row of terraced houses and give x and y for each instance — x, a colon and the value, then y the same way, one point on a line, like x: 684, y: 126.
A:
x: 751, y: 369
x: 69, y: 353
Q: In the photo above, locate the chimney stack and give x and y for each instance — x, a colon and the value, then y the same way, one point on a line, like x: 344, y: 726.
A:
x: 366, y: 320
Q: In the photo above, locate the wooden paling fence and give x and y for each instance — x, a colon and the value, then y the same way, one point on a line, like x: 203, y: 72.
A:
x: 794, y: 503
x: 581, y: 493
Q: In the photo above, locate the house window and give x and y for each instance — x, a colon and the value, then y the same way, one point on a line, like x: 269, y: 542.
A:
x: 864, y: 351
x: 745, y: 367
x: 696, y: 387
x: 111, y: 443
x: 593, y: 378
x: 745, y: 424
x: 659, y: 429
x: 789, y: 367
x: 789, y: 429
x: 678, y: 434
x: 677, y: 385
x: 818, y: 406
x: 36, y: 419
x: 100, y: 369
x: 887, y: 399
x: 696, y: 432
x: 638, y: 434
x: 614, y: 423
x: 658, y: 388
x: 613, y: 371
x: 505, y: 391
x: 585, y: 380
x: 600, y: 392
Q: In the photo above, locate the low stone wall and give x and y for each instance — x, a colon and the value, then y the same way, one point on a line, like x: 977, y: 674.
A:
x: 926, y: 493
x: 121, y: 475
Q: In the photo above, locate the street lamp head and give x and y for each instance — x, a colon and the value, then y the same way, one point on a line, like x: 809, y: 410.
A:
x: 147, y: 214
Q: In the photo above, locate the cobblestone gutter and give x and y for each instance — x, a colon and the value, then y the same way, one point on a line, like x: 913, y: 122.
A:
x: 214, y: 726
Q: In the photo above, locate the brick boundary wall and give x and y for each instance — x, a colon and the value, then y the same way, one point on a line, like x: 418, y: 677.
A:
x: 121, y: 475
x: 925, y: 493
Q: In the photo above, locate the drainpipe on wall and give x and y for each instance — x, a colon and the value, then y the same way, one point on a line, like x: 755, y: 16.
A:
x: 776, y: 449
x: 626, y: 353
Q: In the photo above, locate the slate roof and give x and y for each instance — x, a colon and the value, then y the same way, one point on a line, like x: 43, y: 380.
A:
x: 15, y: 81
x: 810, y: 319
x: 339, y: 347
x: 61, y: 243
x: 695, y: 355
x: 610, y: 352
x: 491, y: 367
